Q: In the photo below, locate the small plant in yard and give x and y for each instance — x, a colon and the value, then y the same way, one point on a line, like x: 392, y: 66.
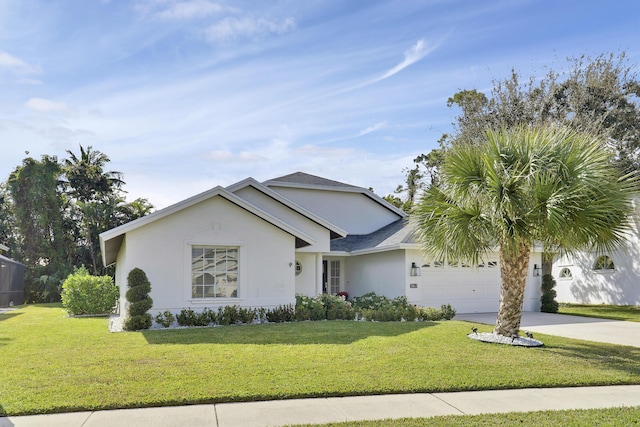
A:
x: 448, y: 312
x: 281, y: 313
x: 139, y: 301
x: 186, y: 317
x: 83, y: 293
x: 165, y: 319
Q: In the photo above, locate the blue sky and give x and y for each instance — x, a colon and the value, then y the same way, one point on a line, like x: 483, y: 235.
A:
x: 184, y: 95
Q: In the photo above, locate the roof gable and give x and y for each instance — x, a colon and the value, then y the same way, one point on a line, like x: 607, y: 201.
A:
x: 308, y: 179
x: 312, y: 182
x: 111, y: 240
x: 334, y: 230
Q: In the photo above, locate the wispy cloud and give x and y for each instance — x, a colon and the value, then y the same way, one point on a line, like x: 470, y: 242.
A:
x: 232, y: 28
x: 411, y: 56
x: 414, y: 54
x: 46, y: 105
x: 182, y: 10
x: 14, y: 63
x: 377, y: 126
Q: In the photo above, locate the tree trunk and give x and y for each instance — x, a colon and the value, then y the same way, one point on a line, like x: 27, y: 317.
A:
x: 547, y: 263
x: 513, y: 271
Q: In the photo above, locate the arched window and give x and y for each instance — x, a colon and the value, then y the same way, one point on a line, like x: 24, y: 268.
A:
x: 565, y: 274
x: 603, y: 263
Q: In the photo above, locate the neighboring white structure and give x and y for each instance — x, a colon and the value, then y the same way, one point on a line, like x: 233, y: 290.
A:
x: 259, y: 244
x: 602, y: 278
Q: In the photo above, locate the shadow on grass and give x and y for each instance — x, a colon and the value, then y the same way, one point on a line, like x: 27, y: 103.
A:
x: 8, y: 315
x: 296, y: 333
x: 608, y: 356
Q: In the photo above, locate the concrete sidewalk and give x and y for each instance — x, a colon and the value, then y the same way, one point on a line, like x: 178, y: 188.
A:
x: 336, y: 409
x: 578, y: 327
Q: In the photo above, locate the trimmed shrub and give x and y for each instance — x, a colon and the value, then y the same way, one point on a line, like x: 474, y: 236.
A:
x: 165, y: 319
x: 83, y: 293
x: 139, y: 301
x: 186, y: 317
x: 281, y: 313
x: 448, y: 312
x: 548, y: 303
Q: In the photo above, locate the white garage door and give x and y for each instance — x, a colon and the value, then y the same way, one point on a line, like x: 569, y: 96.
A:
x: 468, y: 290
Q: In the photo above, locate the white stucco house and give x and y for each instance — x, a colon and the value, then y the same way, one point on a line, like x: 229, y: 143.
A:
x: 259, y: 244
x: 602, y: 278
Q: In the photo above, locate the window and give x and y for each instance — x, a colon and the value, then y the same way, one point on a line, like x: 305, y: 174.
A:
x: 603, y: 263
x: 334, y: 277
x: 565, y: 273
x: 214, y: 272
x: 298, y: 268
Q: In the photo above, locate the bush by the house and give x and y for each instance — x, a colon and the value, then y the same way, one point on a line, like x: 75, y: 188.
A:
x: 448, y: 312
x: 165, y: 319
x: 281, y: 313
x: 139, y: 301
x: 379, y: 308
x: 83, y: 293
x: 548, y: 303
x: 371, y: 307
x: 323, y: 307
x: 188, y: 317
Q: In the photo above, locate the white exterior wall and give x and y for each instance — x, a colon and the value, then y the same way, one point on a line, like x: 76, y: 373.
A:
x: 306, y: 282
x: 162, y: 249
x: 469, y: 289
x: 290, y: 217
x: 620, y: 286
x: 382, y: 273
x: 352, y: 212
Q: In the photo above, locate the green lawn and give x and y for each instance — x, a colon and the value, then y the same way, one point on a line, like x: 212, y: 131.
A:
x: 604, y: 311
x: 52, y: 363
x: 614, y: 417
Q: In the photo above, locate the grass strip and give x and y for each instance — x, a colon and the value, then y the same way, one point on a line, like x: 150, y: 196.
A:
x: 52, y: 363
x: 611, y: 417
x: 629, y: 313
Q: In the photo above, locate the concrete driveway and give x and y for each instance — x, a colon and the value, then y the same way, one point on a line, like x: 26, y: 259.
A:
x: 582, y: 328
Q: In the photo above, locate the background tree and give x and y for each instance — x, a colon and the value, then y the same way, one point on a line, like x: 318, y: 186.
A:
x: 7, y: 221
x: 597, y: 95
x: 51, y: 214
x: 523, y: 185
x: 44, y: 244
x: 92, y: 188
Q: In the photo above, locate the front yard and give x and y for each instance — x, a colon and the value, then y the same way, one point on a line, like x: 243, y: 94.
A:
x: 603, y: 311
x: 52, y: 363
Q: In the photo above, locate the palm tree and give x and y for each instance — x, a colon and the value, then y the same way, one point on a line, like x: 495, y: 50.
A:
x: 544, y: 185
x: 86, y: 176
x: 91, y: 186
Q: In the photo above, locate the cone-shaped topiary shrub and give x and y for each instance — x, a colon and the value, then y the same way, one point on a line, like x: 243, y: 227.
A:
x: 548, y: 299
x: 139, y: 301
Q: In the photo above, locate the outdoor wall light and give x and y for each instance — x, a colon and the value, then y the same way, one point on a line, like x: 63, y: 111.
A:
x: 415, y: 270
x: 536, y: 270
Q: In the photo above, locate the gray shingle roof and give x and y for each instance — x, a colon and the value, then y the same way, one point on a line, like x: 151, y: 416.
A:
x: 307, y: 179
x: 393, y: 234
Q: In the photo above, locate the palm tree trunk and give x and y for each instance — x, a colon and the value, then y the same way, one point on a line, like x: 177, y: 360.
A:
x: 513, y: 271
